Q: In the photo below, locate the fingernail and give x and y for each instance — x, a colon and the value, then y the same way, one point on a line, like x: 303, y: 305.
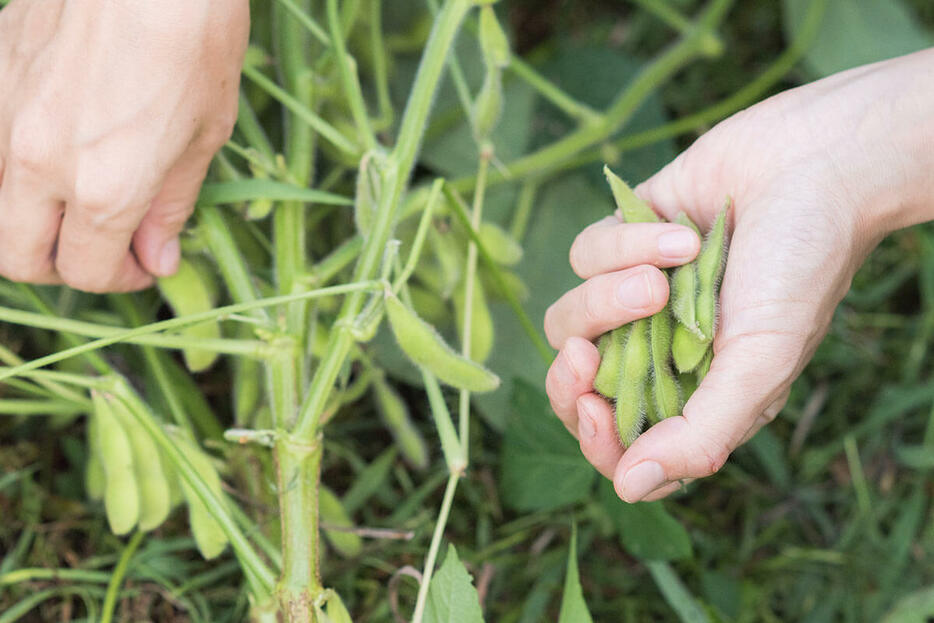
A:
x: 566, y: 372
x: 641, y: 480
x: 586, y: 427
x: 678, y: 244
x: 636, y: 292
x: 168, y: 259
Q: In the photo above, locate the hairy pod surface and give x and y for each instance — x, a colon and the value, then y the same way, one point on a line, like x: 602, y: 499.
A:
x: 189, y: 291
x: 488, y: 107
x: 666, y: 393
x: 425, y: 346
x: 398, y: 420
x: 347, y: 544
x: 631, y: 207
x: 687, y: 349
x: 121, y: 494
x: 611, y: 360
x: 634, y: 372
x: 155, y: 499
x: 493, y: 42
x: 710, y: 264
x: 95, y: 480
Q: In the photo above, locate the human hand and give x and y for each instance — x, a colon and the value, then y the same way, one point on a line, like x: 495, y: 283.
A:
x: 110, y: 118
x: 818, y: 175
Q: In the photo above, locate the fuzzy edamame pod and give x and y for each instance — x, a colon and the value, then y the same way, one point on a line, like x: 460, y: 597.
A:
x: 332, y: 512
x: 121, y: 493
x: 423, y: 345
x: 611, y: 358
x: 687, y: 349
x: 684, y: 286
x: 399, y: 422
x: 501, y: 246
x: 631, y: 207
x: 187, y: 292
x: 209, y: 536
x: 634, y: 372
x: 666, y: 394
x: 710, y: 264
x: 155, y: 498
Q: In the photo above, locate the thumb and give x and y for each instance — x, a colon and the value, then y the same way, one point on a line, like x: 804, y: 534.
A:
x: 748, y: 374
x: 156, y: 240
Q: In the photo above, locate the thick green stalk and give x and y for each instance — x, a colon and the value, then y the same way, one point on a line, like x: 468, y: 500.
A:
x: 403, y: 157
x: 299, y: 465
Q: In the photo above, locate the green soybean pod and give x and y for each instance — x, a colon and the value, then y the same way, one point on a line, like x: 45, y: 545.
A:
x: 710, y: 264
x: 396, y: 416
x: 155, y: 498
x: 511, y: 283
x: 684, y: 285
x: 423, y: 345
x: 704, y: 367
x: 95, y: 480
x: 501, y: 246
x: 188, y: 291
x: 687, y: 349
x: 634, y: 372
x: 450, y: 258
x: 611, y: 360
x: 368, y: 191
x: 121, y: 494
x: 493, y: 42
x: 665, y: 391
x: 481, y: 321
x: 488, y: 106
x: 332, y: 512
x: 632, y: 209
x: 335, y: 609
x: 209, y: 536
x: 429, y: 305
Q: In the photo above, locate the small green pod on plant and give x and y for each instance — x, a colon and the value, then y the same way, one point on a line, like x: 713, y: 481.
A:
x: 631, y: 207
x: 450, y: 259
x: 332, y: 512
x: 335, y: 609
x: 396, y: 416
x: 95, y: 480
x: 493, y: 42
x: 155, y: 499
x: 481, y: 321
x: 428, y: 305
x: 666, y: 393
x: 189, y: 291
x: 423, y: 345
x: 370, y: 177
x: 209, y: 536
x: 710, y: 264
x: 634, y: 372
x: 687, y: 349
x: 511, y: 282
x: 501, y: 246
x: 121, y: 493
x: 488, y: 106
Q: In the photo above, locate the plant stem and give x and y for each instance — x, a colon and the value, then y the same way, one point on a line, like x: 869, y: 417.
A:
x: 436, y: 537
x: 402, y: 159
x: 110, y: 599
x: 346, y: 69
x: 299, y: 464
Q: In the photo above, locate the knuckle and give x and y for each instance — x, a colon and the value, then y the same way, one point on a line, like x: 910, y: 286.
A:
x: 218, y: 130
x: 551, y: 329
x: 28, y: 149
x: 79, y: 278
x: 591, y: 309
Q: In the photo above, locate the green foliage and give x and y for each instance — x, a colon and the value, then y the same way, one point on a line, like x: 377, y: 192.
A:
x: 452, y: 597
x: 573, y: 606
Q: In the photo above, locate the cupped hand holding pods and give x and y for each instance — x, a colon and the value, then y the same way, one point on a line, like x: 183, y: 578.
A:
x: 811, y: 198
x: 108, y: 122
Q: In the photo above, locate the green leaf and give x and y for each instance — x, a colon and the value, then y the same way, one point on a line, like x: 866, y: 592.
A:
x: 452, y: 597
x: 856, y: 32
x: 573, y: 606
x: 646, y: 529
x: 916, y: 607
x: 676, y: 593
x: 236, y: 191
x: 542, y: 466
